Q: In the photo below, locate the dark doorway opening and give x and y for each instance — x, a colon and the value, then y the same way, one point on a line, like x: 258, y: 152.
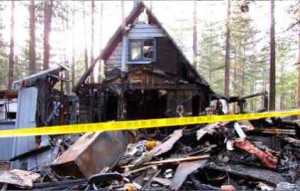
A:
x: 145, y: 104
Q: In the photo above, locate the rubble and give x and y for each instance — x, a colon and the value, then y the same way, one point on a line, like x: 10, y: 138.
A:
x: 178, y: 161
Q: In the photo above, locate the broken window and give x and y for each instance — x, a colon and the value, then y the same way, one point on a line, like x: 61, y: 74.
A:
x: 141, y: 50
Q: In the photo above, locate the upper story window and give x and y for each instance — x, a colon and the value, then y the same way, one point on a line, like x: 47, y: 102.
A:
x: 142, y: 51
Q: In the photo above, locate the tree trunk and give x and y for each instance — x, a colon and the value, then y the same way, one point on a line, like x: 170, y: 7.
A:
x: 32, y: 54
x: 47, y: 30
x: 282, y: 90
x: 73, y: 46
x: 85, y: 40
x: 252, y: 90
x: 92, y: 37
x: 264, y: 87
x: 234, y: 83
x: 272, y: 76
x: 242, y: 92
x: 100, y: 40
x: 66, y: 60
x: 282, y: 100
x: 227, y: 52
x: 298, y: 100
x: 12, y: 46
x: 195, y: 53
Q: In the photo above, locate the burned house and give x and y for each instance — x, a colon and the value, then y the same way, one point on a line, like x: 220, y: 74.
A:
x: 147, y: 76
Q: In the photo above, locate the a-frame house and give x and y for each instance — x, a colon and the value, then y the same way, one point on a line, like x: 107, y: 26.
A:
x: 147, y: 76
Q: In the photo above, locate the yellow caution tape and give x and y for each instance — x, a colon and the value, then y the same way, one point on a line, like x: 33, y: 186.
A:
x: 140, y: 124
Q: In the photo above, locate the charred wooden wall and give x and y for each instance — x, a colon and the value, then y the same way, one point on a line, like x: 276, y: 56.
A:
x: 168, y: 60
x: 153, y: 90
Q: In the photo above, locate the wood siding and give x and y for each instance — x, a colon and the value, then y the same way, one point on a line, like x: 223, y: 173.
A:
x: 114, y: 61
x: 139, y: 31
x: 145, y: 31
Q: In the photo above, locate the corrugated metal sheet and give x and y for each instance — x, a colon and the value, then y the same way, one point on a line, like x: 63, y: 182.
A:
x: 27, y: 103
x: 6, y: 144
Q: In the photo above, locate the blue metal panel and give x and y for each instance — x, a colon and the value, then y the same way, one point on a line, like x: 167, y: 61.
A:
x: 27, y: 103
x: 6, y: 144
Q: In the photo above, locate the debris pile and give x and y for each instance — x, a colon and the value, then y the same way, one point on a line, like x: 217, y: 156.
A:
x: 261, y: 154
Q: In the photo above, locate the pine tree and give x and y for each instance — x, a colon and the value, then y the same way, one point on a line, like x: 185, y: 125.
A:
x: 212, y: 58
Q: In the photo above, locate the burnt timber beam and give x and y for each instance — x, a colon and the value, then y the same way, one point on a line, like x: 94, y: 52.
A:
x: 159, y: 86
x: 164, y: 87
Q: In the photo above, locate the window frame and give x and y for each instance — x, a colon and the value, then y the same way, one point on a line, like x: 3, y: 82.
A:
x: 141, y: 61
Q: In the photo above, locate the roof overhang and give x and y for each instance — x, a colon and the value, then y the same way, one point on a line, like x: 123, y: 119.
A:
x: 31, y: 80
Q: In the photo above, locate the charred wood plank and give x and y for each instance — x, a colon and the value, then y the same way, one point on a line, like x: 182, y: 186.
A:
x: 172, y: 160
x: 164, y: 87
x: 256, y: 173
x: 59, y: 184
